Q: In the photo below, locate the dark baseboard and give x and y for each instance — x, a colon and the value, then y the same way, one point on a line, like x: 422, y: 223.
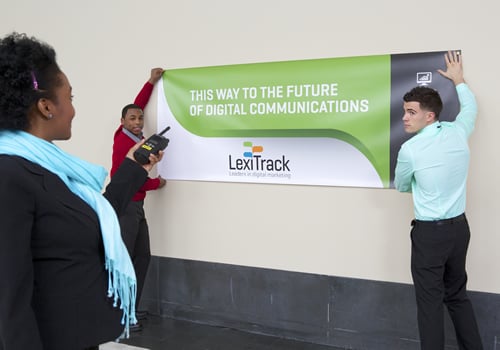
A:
x: 344, y: 312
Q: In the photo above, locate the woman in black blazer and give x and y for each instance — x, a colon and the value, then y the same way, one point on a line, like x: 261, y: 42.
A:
x: 54, y: 293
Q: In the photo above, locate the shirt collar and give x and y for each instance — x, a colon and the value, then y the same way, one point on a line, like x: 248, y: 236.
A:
x: 431, y: 128
x: 131, y: 135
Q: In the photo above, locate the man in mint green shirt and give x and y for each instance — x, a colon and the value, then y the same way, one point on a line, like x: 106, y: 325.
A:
x: 433, y: 166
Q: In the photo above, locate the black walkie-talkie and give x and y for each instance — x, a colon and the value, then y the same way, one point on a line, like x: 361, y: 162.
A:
x: 154, y: 144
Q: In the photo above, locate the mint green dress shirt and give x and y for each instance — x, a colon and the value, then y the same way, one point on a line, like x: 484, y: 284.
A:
x: 434, y: 163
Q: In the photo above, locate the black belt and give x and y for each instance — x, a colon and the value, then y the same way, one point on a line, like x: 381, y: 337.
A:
x: 456, y: 219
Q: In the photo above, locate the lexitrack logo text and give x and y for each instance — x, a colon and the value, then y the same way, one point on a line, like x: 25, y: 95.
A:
x: 253, y: 160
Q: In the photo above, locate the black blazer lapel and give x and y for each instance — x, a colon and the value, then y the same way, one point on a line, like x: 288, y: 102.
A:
x: 56, y: 188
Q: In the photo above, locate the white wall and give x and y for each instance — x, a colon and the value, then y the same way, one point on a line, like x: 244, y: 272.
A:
x: 108, y: 47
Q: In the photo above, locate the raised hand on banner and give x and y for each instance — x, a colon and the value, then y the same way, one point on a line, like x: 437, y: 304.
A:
x: 156, y: 74
x: 454, y: 69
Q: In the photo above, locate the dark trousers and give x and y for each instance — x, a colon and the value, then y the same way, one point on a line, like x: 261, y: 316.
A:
x: 135, y: 234
x: 438, y: 255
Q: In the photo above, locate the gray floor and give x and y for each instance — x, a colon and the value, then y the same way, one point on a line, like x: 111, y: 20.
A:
x: 164, y: 334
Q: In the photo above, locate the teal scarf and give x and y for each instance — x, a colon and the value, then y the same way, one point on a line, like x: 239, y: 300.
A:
x: 86, y: 180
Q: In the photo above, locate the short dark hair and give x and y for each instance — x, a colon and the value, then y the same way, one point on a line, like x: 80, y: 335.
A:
x: 129, y: 106
x: 29, y: 71
x: 428, y: 98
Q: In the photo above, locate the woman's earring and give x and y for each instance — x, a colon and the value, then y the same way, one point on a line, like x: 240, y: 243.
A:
x: 50, y: 116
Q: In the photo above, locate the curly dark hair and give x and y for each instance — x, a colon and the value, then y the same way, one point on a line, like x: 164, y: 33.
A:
x: 428, y: 98
x: 28, y: 72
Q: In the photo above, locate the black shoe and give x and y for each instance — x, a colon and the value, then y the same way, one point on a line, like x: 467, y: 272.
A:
x: 135, y: 327
x: 141, y: 314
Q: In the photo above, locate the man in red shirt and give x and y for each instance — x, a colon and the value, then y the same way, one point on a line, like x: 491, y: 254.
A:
x: 134, y: 227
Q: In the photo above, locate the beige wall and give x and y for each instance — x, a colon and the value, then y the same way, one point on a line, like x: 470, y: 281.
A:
x: 108, y: 47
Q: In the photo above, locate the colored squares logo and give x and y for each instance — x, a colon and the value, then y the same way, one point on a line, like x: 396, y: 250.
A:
x: 253, y: 149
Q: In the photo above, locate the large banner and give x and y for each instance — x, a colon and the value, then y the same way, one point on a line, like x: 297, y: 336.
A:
x: 334, y: 122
